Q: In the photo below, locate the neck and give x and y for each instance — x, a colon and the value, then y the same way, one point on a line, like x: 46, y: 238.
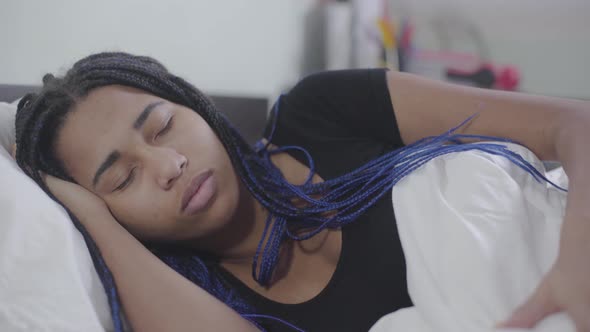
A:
x: 237, y: 241
x: 252, y: 213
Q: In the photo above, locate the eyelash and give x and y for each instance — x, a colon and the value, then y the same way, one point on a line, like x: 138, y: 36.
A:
x: 127, y: 181
x: 166, y: 128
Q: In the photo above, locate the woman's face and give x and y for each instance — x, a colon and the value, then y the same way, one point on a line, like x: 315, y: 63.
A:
x: 142, y: 154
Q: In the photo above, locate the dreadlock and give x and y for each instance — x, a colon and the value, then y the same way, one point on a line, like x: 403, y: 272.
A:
x: 40, y: 117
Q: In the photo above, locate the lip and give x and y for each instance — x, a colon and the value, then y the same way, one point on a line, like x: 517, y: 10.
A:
x: 193, y: 188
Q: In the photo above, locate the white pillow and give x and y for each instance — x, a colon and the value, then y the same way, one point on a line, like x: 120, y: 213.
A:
x: 47, y: 279
x: 7, y: 113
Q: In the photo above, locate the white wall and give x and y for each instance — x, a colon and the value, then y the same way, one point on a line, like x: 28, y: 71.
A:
x: 222, y: 46
x: 255, y: 47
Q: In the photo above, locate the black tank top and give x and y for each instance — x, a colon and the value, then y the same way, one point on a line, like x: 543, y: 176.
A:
x: 343, y: 119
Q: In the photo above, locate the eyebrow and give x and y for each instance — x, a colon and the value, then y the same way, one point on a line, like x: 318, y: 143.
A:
x: 145, y: 113
x: 116, y: 155
x: 108, y: 162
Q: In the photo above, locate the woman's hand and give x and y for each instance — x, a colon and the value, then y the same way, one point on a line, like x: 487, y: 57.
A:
x: 81, y: 202
x: 566, y: 287
x: 76, y: 198
x: 141, y: 277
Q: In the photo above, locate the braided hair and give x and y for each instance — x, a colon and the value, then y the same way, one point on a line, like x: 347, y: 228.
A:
x: 40, y: 117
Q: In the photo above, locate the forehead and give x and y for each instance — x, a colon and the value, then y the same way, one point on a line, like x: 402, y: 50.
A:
x: 111, y: 102
x: 96, y: 126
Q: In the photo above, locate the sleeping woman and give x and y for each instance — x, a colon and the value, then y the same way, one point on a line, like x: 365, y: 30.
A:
x: 191, y: 228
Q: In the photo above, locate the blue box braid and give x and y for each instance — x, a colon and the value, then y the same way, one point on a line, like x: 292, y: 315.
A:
x: 40, y: 117
x: 351, y: 194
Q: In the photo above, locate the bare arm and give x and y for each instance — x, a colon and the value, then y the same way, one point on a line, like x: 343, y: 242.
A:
x: 553, y: 128
x: 154, y: 297
x: 425, y: 107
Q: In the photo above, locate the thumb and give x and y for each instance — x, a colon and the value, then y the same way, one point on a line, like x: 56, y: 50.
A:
x: 527, y: 315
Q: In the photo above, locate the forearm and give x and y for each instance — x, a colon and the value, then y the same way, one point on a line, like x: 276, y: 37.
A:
x: 572, y: 140
x: 566, y: 286
x: 572, y: 148
x: 155, y: 297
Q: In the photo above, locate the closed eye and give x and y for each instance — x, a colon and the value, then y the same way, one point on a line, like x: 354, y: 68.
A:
x: 166, y: 127
x: 127, y: 181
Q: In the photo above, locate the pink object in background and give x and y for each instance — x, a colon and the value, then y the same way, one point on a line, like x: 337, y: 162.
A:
x: 507, y: 78
x: 486, y: 75
x: 457, y: 67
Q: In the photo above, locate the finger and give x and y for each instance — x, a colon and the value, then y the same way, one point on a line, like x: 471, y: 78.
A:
x: 52, y: 182
x: 43, y: 176
x: 580, y: 314
x: 537, y: 307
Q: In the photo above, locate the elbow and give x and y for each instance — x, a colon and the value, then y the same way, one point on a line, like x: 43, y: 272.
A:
x: 571, y: 134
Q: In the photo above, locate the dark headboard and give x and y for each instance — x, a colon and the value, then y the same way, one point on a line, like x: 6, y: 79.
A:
x: 247, y: 114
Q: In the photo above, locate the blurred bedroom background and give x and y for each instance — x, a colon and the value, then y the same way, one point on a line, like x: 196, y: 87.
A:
x: 261, y: 48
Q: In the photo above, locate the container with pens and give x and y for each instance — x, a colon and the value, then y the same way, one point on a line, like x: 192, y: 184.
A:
x: 462, y: 68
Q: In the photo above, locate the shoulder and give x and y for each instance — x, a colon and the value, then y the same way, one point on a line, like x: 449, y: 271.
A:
x: 353, y: 103
x: 350, y: 85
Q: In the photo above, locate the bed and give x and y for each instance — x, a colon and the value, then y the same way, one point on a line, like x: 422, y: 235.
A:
x: 493, y: 252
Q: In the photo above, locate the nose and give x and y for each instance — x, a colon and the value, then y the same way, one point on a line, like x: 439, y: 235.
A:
x: 167, y: 166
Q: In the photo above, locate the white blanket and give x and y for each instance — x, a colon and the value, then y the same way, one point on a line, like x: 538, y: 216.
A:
x: 478, y: 234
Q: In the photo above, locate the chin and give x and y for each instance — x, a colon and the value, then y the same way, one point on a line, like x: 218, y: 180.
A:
x: 218, y: 216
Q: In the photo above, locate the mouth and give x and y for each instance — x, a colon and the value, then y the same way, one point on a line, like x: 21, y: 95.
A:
x: 198, y: 193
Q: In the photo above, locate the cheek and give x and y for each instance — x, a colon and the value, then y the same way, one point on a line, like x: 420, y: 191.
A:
x: 140, y: 216
x: 229, y: 194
